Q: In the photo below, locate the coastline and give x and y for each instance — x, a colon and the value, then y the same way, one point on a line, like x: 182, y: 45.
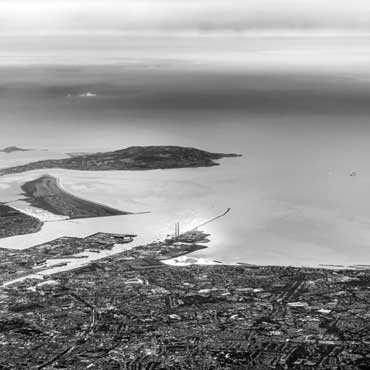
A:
x: 181, y: 258
x: 202, y: 188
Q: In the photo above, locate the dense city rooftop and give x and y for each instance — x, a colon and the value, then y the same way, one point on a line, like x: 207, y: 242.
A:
x: 132, y: 311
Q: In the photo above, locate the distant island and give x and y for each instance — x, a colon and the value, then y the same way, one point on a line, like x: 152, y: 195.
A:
x: 133, y: 158
x: 12, y: 149
x: 45, y: 193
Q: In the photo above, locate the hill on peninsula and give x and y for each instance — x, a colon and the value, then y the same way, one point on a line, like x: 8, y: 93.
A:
x: 133, y: 158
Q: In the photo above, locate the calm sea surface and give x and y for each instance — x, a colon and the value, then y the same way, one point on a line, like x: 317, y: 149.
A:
x: 296, y: 108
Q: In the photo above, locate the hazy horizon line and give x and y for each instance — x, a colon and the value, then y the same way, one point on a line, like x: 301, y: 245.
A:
x: 195, y: 33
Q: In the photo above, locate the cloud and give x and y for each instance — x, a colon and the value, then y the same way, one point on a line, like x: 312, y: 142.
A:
x: 59, y: 16
x: 83, y: 95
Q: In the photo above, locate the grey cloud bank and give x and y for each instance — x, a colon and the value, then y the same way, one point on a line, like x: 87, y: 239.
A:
x: 55, y: 16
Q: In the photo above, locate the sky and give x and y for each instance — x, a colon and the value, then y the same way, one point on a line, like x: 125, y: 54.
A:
x: 76, y: 16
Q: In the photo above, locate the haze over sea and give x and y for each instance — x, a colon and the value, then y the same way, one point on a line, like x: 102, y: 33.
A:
x: 297, y: 108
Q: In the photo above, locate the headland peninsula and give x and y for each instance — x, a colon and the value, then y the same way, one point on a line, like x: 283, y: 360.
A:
x: 46, y: 193
x: 132, y: 158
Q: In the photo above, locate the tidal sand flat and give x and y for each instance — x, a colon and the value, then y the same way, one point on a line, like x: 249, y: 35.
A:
x: 46, y: 193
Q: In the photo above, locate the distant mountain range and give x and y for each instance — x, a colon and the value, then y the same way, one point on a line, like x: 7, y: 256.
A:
x: 11, y: 149
x: 132, y: 158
